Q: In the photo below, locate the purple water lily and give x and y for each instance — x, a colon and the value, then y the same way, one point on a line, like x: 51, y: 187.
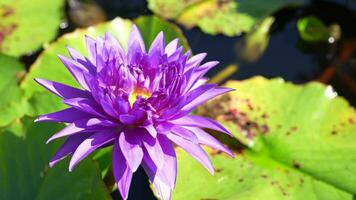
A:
x: 139, y: 102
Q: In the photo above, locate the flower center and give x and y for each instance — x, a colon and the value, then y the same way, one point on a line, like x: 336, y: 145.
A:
x: 142, y: 92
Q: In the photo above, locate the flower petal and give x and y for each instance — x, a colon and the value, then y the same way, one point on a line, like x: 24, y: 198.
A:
x: 211, y: 93
x: 198, y: 121
x: 157, y: 45
x: 206, y: 139
x: 67, y: 115
x: 76, y: 69
x: 185, y: 133
x: 136, y: 37
x: 61, y: 90
x: 171, y: 47
x: 83, y: 125
x: 90, y: 144
x: 86, y: 105
x: 131, y: 149
x: 69, y: 146
x: 154, y: 150
x: 163, y: 179
x: 122, y: 171
x: 194, y: 150
x: 151, y: 130
x: 195, y: 61
x: 91, y: 48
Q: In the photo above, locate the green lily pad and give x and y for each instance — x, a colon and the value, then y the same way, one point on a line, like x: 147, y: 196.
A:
x: 312, y: 29
x: 12, y: 105
x: 229, y: 17
x: 25, y: 173
x: 298, y: 143
x: 26, y: 25
x: 48, y: 66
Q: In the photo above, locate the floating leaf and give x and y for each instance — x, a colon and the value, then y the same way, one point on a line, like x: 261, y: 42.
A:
x: 26, y: 25
x: 299, y: 144
x: 229, y: 17
x: 25, y: 174
x: 12, y: 105
x: 312, y: 29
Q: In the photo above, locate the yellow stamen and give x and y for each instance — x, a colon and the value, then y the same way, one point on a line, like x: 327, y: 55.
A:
x: 143, y: 92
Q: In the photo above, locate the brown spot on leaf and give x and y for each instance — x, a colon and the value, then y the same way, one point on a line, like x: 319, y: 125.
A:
x: 293, y: 128
x: 264, y: 176
x: 241, y: 180
x: 264, y: 116
x: 6, y: 11
x: 296, y: 165
x: 333, y: 132
x: 264, y: 129
x: 301, y: 181
x: 218, y: 170
x: 249, y: 127
x: 6, y: 30
x: 209, y: 199
x: 351, y: 120
x: 274, y: 182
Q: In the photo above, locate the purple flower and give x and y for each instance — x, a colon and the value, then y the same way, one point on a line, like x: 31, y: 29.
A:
x: 139, y: 102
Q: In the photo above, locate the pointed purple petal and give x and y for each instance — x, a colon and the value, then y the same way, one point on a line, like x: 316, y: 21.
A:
x: 122, y: 172
x: 151, y: 130
x: 169, y: 169
x: 86, y: 105
x: 61, y: 90
x: 136, y: 37
x: 211, y: 93
x: 69, y: 146
x: 154, y: 150
x: 77, y: 70
x: 90, y: 144
x: 198, y: 121
x: 67, y: 115
x: 157, y: 45
x: 131, y: 149
x: 194, y: 150
x: 163, y: 179
x: 91, y: 48
x: 185, y: 133
x: 83, y: 125
x: 171, y: 47
x: 206, y: 139
x: 67, y: 131
x: 195, y: 74
x: 195, y: 61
